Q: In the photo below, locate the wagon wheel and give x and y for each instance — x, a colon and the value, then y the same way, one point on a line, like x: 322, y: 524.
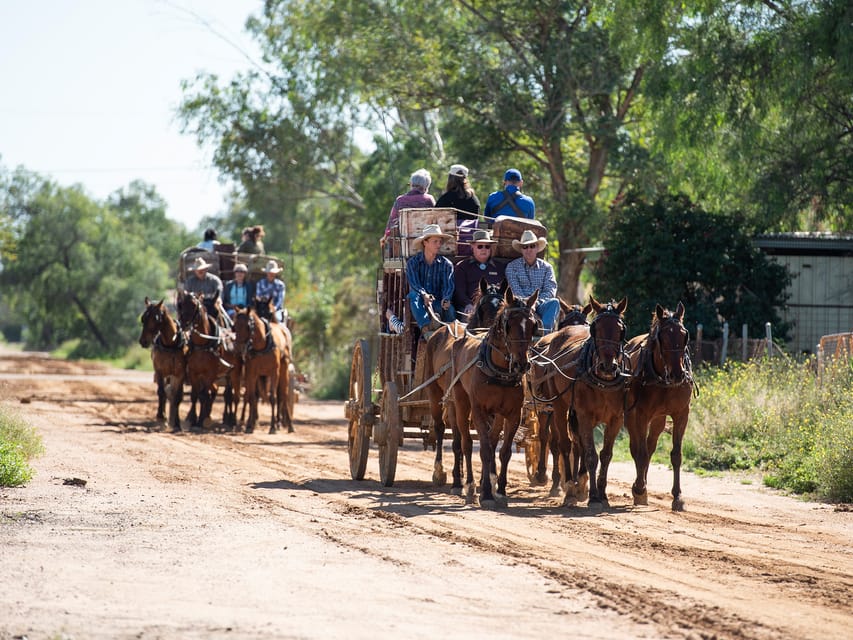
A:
x: 359, y: 410
x: 388, y: 449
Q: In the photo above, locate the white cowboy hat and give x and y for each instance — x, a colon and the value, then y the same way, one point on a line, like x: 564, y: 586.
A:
x: 272, y: 267
x: 241, y: 267
x: 199, y: 264
x: 430, y: 231
x: 528, y: 237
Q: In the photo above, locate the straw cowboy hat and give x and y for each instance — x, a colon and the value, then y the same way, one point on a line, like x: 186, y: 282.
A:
x: 199, y: 264
x: 430, y: 231
x: 272, y: 267
x: 528, y: 237
x: 482, y: 236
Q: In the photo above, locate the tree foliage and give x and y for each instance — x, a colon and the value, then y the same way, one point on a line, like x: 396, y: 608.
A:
x: 672, y: 250
x: 76, y: 272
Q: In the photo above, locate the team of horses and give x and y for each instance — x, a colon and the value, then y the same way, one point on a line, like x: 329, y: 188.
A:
x: 199, y: 350
x: 584, y: 375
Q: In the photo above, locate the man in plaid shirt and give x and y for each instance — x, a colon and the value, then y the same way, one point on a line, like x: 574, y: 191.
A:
x: 529, y: 273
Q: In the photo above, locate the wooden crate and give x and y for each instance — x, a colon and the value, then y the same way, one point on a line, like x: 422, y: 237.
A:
x: 509, y: 228
x: 413, y: 221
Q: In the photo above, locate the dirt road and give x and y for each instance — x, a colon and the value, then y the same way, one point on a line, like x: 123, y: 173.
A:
x: 259, y: 536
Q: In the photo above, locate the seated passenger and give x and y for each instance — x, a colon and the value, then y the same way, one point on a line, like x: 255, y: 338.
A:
x: 430, y: 279
x: 272, y: 288
x: 469, y: 272
x: 207, y: 284
x: 529, y: 273
x: 209, y: 241
x: 509, y: 201
x: 238, y: 292
x: 415, y: 197
x: 459, y: 195
x: 252, y: 241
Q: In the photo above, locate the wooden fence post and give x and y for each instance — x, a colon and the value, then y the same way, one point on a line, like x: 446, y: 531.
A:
x: 698, y: 354
x: 725, y: 343
x: 769, y: 337
x: 744, y: 334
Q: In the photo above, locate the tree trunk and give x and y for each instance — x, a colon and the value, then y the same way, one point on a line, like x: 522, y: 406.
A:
x: 90, y: 321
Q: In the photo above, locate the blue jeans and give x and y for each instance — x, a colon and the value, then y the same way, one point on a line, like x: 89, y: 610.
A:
x: 419, y: 312
x: 549, y: 311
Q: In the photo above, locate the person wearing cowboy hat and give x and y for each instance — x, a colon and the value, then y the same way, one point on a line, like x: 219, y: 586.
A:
x: 459, y: 195
x: 430, y: 279
x: 239, y: 291
x: 480, y: 266
x: 509, y: 201
x: 272, y: 288
x: 207, y: 284
x: 529, y: 273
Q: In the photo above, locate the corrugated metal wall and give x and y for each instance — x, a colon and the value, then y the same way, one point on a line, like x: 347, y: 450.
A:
x: 821, y: 299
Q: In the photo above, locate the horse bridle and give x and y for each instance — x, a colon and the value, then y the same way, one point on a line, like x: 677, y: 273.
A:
x: 154, y: 313
x: 654, y: 337
x: 512, y: 375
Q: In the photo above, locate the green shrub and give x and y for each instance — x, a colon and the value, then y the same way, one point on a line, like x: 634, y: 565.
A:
x: 19, y: 443
x: 778, y: 417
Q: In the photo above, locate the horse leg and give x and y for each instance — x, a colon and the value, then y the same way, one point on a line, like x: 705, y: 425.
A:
x: 580, y: 473
x: 462, y: 411
x: 161, y: 398
x: 506, y: 455
x: 679, y: 424
x: 192, y: 416
x: 174, y: 388
x: 284, y: 397
x: 611, y: 430
x: 544, y: 419
x: 273, y: 395
x: 228, y: 411
x: 439, y: 475
x: 590, y: 455
x: 636, y: 423
x: 252, y: 393
x: 487, y: 458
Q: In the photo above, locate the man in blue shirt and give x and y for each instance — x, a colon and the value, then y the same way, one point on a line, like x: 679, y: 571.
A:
x: 509, y: 201
x: 271, y: 287
x: 529, y: 273
x: 430, y: 279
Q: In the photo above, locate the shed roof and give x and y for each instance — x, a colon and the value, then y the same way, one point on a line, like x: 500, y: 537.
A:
x: 805, y: 243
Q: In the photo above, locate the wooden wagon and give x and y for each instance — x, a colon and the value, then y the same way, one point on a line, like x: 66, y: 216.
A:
x: 388, y: 399
x: 222, y: 260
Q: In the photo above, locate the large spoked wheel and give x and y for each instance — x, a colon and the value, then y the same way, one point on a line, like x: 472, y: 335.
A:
x: 391, y: 426
x: 359, y: 410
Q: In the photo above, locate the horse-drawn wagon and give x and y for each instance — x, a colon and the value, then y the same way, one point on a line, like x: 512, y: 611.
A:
x: 388, y: 391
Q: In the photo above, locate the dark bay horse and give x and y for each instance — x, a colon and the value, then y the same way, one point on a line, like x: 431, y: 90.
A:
x: 204, y: 359
x: 266, y: 352
x: 585, y: 379
x: 486, y: 386
x: 169, y: 357
x: 488, y: 300
x: 575, y: 317
x: 662, y: 386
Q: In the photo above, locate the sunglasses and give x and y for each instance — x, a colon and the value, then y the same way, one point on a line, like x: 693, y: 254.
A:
x: 482, y: 246
x: 530, y: 246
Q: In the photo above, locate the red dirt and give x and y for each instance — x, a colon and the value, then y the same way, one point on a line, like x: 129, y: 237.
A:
x: 259, y: 536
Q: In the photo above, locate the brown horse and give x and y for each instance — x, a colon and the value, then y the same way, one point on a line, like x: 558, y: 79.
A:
x: 662, y: 386
x: 488, y: 300
x: 169, y: 356
x: 585, y: 380
x: 575, y: 317
x: 266, y: 349
x: 204, y: 359
x: 486, y: 385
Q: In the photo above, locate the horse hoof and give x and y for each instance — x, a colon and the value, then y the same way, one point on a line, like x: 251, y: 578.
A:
x: 596, y: 506
x: 501, y: 501
x: 273, y: 430
x: 677, y: 504
x: 290, y: 428
x: 456, y: 491
x: 570, y: 501
x: 250, y: 429
x: 439, y: 478
x: 555, y: 491
x: 538, y: 482
x: 488, y: 503
x: 641, y: 499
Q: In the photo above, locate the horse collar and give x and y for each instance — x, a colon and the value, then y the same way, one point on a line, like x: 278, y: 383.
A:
x: 494, y: 375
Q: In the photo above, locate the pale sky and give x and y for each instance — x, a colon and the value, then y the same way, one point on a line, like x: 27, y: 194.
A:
x: 88, y: 91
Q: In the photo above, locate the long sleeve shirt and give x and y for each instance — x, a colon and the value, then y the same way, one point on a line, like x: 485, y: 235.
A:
x: 524, y: 279
x: 414, y: 199
x: 275, y: 290
x: 435, y: 279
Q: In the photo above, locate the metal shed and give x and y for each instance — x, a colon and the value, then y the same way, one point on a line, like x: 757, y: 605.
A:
x: 821, y: 300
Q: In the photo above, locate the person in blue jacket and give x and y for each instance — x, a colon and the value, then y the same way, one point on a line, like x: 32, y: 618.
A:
x: 509, y: 201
